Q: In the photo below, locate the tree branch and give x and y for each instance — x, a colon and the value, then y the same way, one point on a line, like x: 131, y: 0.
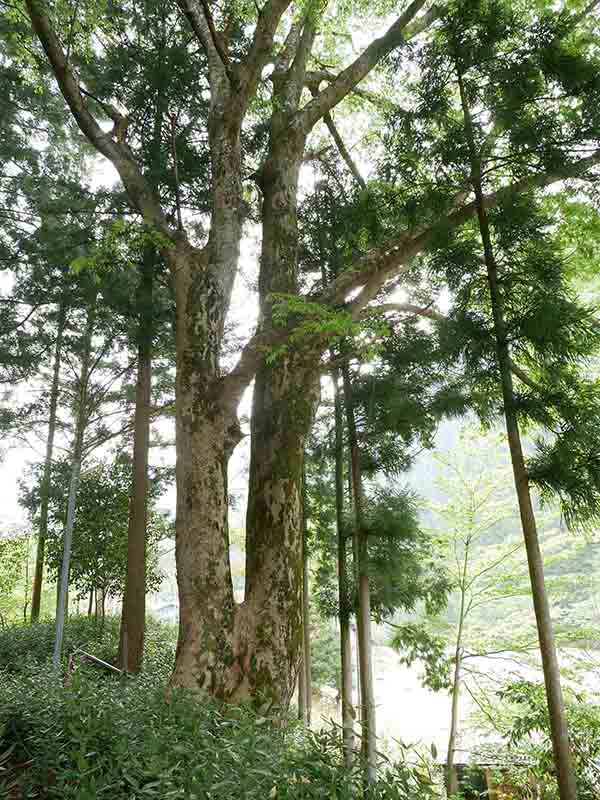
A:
x: 375, y: 268
x: 262, y: 43
x: 118, y: 153
x: 201, y: 22
x: 343, y: 150
x: 361, y: 66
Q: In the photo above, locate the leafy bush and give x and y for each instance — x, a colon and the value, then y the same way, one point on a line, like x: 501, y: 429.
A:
x: 529, y: 733
x: 24, y: 646
x: 103, y: 736
x: 325, y: 653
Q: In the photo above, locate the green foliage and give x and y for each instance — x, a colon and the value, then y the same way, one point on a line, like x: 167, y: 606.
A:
x: 99, y: 553
x: 14, y: 555
x: 325, y: 653
x: 415, y: 643
x: 98, y: 734
x: 29, y: 647
x: 528, y: 731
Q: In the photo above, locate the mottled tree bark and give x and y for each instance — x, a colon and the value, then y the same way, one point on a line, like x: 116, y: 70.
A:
x: 38, y: 580
x: 558, y: 722
x: 133, y: 614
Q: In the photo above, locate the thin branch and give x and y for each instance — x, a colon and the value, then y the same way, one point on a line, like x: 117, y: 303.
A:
x: 345, y: 82
x: 343, y: 150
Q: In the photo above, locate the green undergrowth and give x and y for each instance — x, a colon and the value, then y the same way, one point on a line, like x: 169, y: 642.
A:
x: 99, y: 736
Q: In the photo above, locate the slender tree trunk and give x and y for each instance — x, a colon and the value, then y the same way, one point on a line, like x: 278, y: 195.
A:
x: 80, y: 425
x: 306, y: 649
x: 91, y: 603
x: 343, y: 590
x: 133, y: 615
x: 302, y: 690
x: 558, y: 722
x: 38, y: 579
x: 363, y: 621
x: 451, y: 778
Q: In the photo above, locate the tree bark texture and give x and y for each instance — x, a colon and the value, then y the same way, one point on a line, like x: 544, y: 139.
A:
x: 558, y: 721
x: 38, y: 580
x: 363, y: 620
x: 133, y: 615
x: 80, y: 426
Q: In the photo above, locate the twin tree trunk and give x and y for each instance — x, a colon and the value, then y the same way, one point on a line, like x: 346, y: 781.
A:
x: 131, y: 641
x: 249, y: 650
x: 558, y: 722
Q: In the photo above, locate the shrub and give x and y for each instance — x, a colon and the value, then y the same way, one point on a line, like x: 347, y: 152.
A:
x: 23, y: 646
x: 529, y: 733
x: 123, y: 738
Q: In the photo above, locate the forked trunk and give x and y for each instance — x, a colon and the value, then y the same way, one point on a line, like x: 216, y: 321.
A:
x: 558, y: 722
x: 38, y: 580
x: 343, y: 593
x: 363, y: 620
x: 131, y: 642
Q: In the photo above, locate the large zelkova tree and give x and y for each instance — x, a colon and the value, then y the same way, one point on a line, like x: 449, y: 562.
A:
x: 263, y: 72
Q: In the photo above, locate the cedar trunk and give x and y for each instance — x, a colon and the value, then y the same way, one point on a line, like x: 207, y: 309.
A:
x: 38, y: 580
x: 80, y: 426
x: 558, y: 722
x: 363, y: 617
x: 131, y: 643
x: 343, y: 593
x: 306, y: 649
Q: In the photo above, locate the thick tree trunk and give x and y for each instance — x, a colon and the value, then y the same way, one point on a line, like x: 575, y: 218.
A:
x: 133, y: 615
x: 207, y: 660
x: 80, y: 426
x: 281, y: 418
x: 38, y: 580
x: 558, y: 721
x: 363, y: 621
x: 212, y: 657
x: 284, y: 402
x: 343, y: 591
